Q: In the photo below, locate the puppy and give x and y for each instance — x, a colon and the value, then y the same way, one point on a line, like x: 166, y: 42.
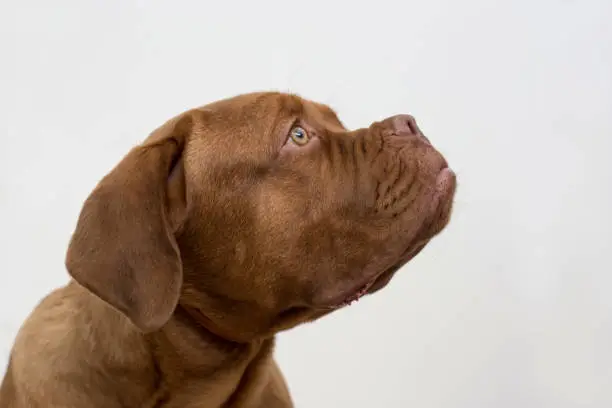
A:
x: 228, y: 224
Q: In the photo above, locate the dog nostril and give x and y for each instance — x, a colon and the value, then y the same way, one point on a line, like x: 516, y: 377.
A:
x: 412, y: 126
x: 405, y: 124
x: 401, y: 124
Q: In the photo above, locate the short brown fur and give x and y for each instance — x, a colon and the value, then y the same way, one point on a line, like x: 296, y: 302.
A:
x: 213, y: 235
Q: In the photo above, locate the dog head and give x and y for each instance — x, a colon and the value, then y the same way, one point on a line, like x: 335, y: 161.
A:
x: 257, y: 213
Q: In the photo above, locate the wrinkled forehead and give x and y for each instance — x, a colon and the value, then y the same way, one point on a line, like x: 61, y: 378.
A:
x: 269, y: 108
x: 315, y: 113
x: 249, y: 129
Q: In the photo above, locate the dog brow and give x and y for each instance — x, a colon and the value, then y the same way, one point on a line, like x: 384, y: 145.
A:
x: 291, y: 105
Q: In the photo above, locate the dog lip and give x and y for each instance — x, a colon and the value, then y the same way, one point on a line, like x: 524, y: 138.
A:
x: 354, y: 294
x: 371, y: 283
x: 445, y: 180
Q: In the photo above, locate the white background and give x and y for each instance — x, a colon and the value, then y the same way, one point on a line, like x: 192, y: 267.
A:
x: 510, y: 307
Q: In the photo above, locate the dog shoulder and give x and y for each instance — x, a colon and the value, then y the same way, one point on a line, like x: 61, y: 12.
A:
x: 73, y: 341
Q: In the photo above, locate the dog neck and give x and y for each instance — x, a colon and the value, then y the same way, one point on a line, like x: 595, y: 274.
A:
x: 187, y: 356
x: 207, y: 325
x: 190, y: 349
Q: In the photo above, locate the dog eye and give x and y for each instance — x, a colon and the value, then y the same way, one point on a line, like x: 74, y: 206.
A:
x: 299, y: 136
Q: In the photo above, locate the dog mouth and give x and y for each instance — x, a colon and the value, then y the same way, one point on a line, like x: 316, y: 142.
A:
x: 378, y: 282
x: 440, y: 214
x: 362, y: 291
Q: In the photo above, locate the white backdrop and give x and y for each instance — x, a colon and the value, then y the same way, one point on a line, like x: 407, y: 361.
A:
x: 510, y: 307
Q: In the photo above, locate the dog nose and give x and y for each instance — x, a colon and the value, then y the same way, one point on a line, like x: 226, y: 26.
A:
x: 405, y: 125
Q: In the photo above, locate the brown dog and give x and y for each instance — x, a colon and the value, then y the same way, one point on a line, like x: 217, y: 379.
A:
x: 227, y: 225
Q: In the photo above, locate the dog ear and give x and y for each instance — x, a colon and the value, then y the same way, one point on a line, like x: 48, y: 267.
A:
x: 124, y: 248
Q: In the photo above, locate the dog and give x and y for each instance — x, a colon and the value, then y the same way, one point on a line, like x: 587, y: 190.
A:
x: 228, y: 224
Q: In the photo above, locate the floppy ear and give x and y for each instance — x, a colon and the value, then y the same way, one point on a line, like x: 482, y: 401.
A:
x: 124, y: 249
